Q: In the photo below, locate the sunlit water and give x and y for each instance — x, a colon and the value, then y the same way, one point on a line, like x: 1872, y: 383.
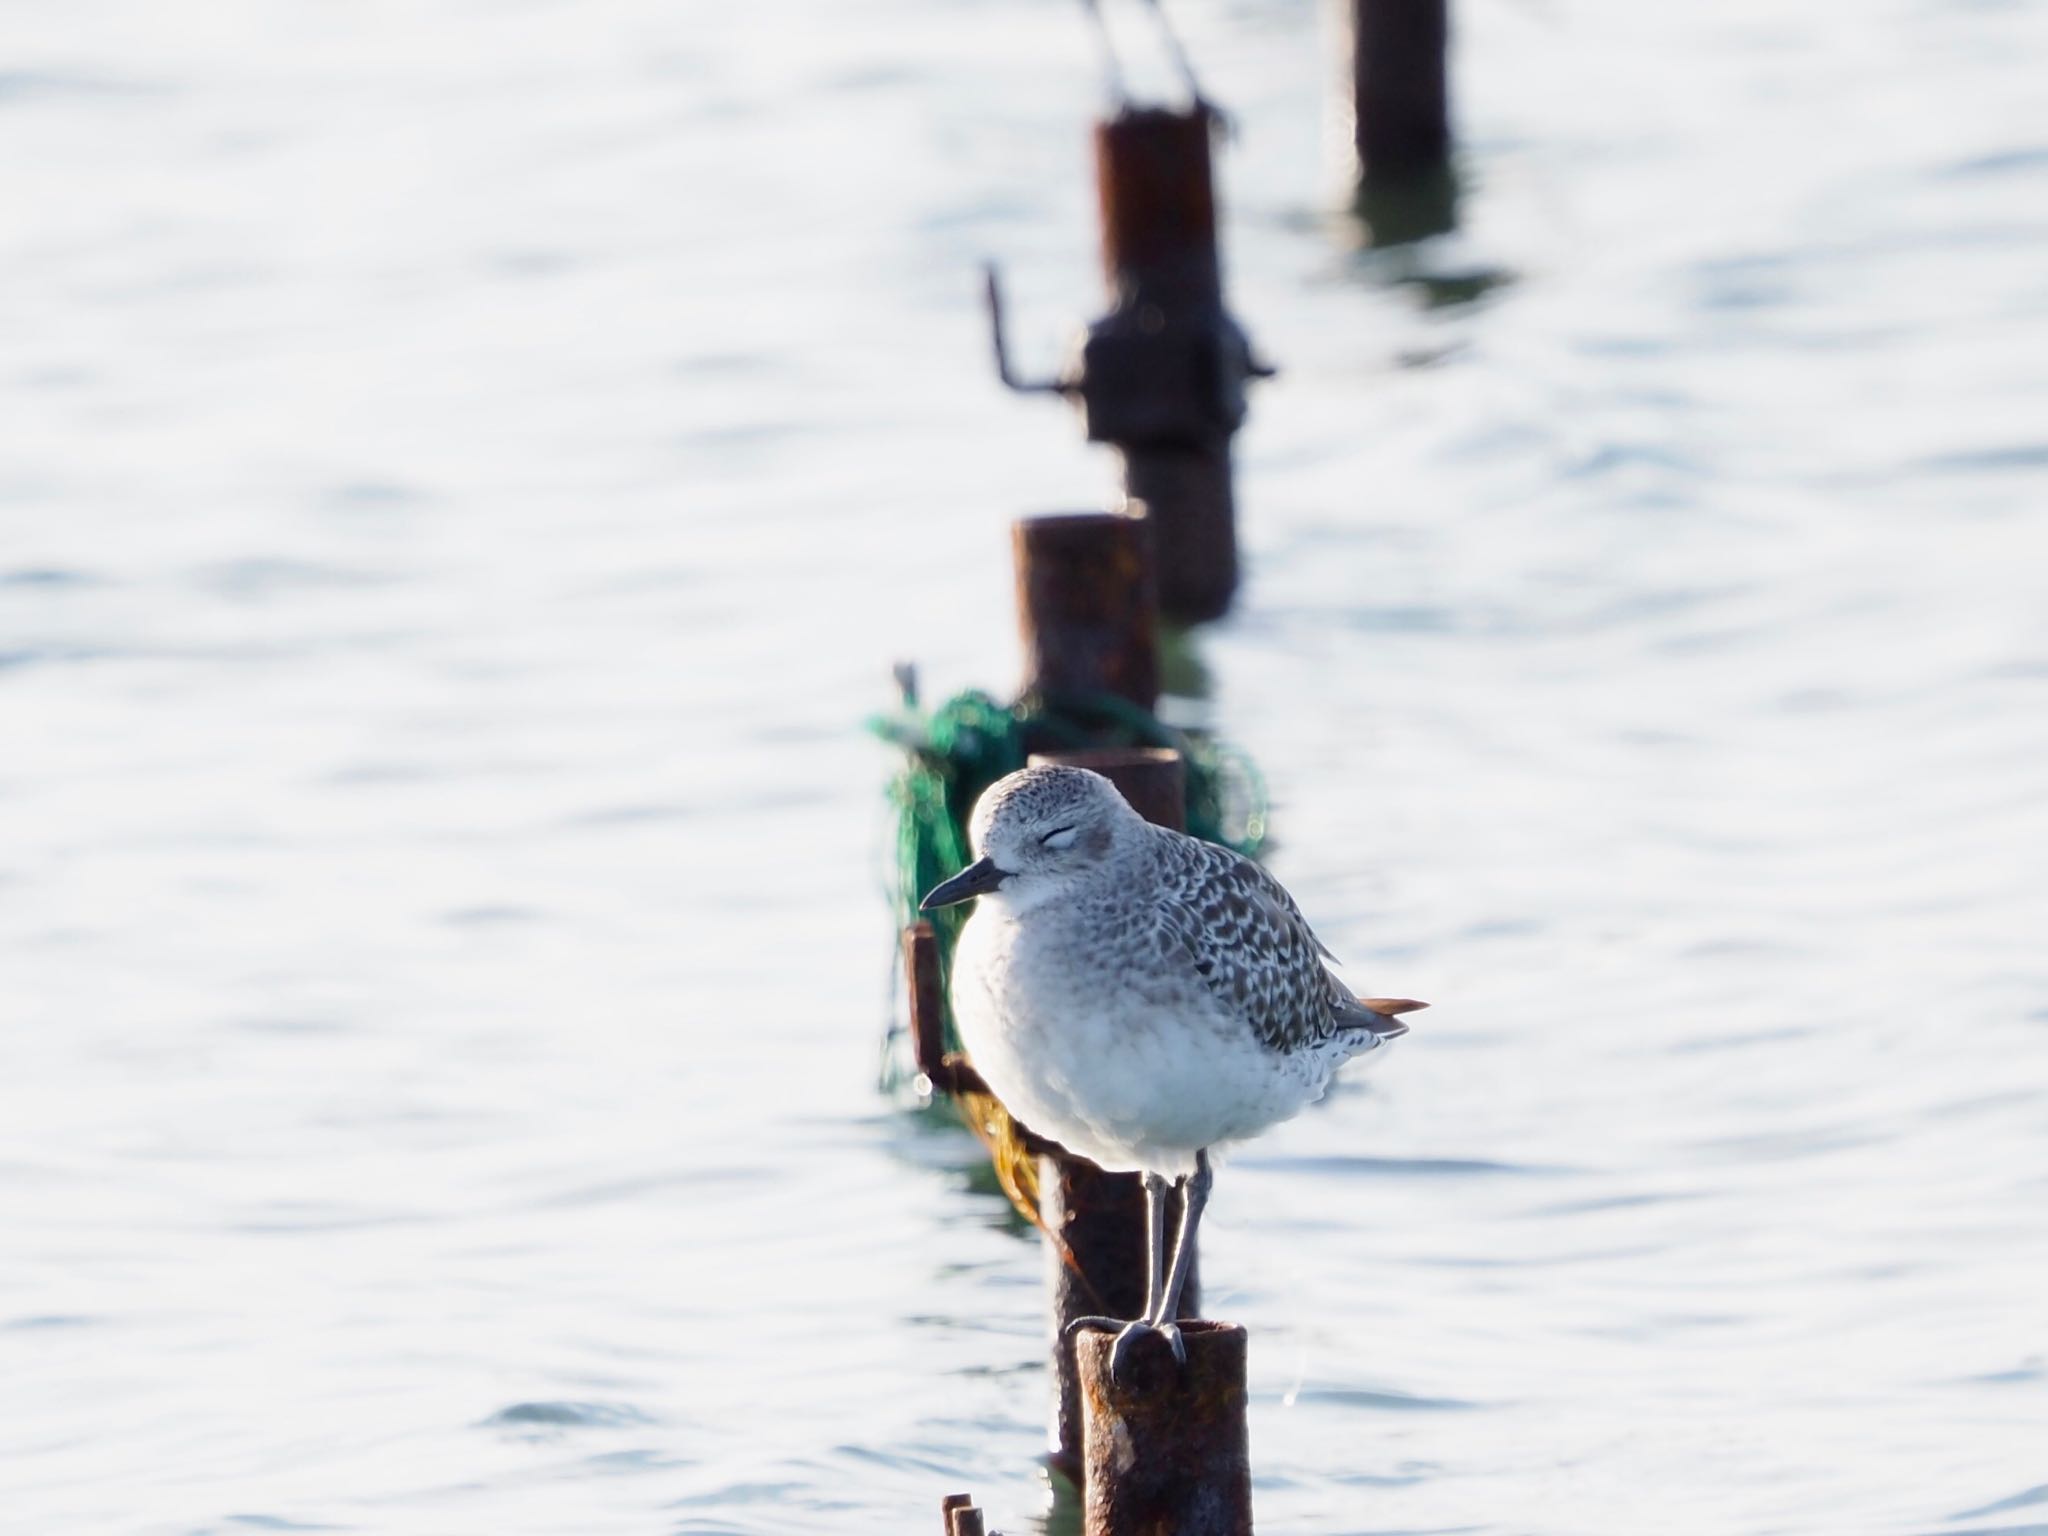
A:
x: 467, y: 470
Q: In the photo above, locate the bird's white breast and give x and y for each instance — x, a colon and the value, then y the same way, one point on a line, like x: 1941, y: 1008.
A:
x: 1131, y: 1065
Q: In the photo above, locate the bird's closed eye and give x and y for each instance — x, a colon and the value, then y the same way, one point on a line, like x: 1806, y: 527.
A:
x: 1058, y: 837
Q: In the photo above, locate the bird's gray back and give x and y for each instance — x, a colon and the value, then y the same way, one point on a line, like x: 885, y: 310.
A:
x: 1234, y: 926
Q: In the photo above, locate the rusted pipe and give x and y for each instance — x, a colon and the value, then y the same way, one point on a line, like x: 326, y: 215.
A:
x: 1161, y: 377
x: 1086, y: 605
x: 960, y: 1515
x: 1158, y: 199
x: 1400, y: 111
x: 1188, y: 496
x: 1163, y: 374
x: 1100, y: 1217
x: 1166, y: 1449
x: 946, y: 1071
x: 927, y: 999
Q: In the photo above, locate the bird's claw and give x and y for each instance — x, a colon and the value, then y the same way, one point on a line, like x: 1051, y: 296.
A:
x: 1175, y: 1342
x: 1127, y: 1337
x: 1127, y: 1341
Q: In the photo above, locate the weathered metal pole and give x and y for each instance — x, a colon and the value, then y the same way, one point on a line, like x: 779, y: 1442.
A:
x: 1158, y: 199
x: 961, y: 1516
x: 1401, y: 116
x: 927, y: 1000
x: 1086, y: 605
x: 1163, y: 373
x: 1162, y: 376
x: 1087, y: 612
x: 943, y: 1072
x: 1166, y: 1449
x: 1400, y: 87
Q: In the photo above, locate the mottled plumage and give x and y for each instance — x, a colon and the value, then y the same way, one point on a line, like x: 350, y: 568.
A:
x: 1247, y: 939
x: 1137, y: 995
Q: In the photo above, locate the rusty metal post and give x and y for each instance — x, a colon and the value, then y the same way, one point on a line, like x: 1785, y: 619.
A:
x: 1158, y: 200
x: 927, y: 1000
x: 1100, y: 1217
x: 1163, y: 374
x: 1400, y: 87
x: 1401, y: 117
x: 1167, y: 1451
x: 1086, y: 605
x: 945, y: 1072
x: 960, y: 1515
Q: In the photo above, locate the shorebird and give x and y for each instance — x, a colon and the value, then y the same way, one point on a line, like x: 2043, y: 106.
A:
x: 1140, y: 996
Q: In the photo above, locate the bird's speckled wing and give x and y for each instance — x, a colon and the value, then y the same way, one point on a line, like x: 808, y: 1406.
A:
x: 1242, y: 933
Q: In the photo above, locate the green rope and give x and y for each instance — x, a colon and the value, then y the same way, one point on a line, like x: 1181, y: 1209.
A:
x: 956, y: 751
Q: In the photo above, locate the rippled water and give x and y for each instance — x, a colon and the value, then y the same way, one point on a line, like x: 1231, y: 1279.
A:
x: 466, y: 472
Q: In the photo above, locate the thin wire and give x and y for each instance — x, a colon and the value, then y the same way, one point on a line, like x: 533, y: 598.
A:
x: 1179, y: 54
x: 1112, y: 71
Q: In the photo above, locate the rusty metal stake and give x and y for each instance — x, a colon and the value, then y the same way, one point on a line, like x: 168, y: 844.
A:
x: 1086, y: 605
x: 1167, y: 1450
x: 960, y: 1515
x: 1164, y: 371
x: 1162, y: 376
x: 945, y: 1071
x: 927, y: 1000
x: 1401, y: 118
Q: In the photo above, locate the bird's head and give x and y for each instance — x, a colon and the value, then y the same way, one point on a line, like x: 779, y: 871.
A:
x: 1037, y: 833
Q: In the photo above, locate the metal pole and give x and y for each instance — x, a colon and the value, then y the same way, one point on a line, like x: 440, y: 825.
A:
x: 1167, y: 1450
x: 1086, y: 605
x: 1401, y: 117
x: 961, y: 1516
x: 927, y: 1000
x: 943, y: 1071
x: 1190, y: 496
x: 1400, y: 87
x: 1164, y: 373
x: 1158, y: 200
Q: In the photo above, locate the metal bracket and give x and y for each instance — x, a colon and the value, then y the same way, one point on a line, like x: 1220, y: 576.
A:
x: 994, y: 291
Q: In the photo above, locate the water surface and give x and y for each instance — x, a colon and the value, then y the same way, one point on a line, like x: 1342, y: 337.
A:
x: 468, y: 470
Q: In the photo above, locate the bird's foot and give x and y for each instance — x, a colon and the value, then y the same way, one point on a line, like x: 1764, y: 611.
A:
x: 1092, y: 1325
x: 1127, y: 1341
x: 1127, y: 1337
x: 1175, y: 1342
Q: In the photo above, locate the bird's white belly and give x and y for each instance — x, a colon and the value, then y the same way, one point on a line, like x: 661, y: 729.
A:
x: 1128, y: 1076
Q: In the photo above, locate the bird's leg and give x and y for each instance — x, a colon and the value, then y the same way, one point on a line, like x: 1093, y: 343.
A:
x: 1194, y: 1196
x: 1155, y: 1241
x: 1155, y: 1287
x: 1128, y: 1331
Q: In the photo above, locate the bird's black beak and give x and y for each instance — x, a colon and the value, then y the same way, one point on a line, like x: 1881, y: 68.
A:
x: 977, y: 879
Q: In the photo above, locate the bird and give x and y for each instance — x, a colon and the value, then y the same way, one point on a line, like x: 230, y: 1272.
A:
x: 1140, y: 997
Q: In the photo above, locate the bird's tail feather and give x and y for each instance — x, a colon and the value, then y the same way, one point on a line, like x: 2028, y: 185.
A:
x: 1377, y: 1014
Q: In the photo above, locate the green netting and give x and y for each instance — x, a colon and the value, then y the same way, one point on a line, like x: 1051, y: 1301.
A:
x: 954, y: 752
